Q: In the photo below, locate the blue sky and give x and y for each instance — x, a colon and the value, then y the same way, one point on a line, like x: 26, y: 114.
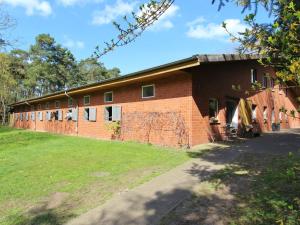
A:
x: 189, y: 27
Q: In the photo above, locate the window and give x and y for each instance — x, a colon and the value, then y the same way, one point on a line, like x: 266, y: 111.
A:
x: 57, y: 104
x: 86, y: 113
x: 40, y: 115
x: 148, y: 91
x: 265, y: 81
x: 26, y: 116
x: 69, y: 114
x: 74, y: 114
x: 108, y: 96
x: 112, y: 113
x: 58, y: 115
x: 232, y: 113
x: 70, y: 102
x: 90, y: 114
x: 33, y: 116
x: 253, y: 76
x: 21, y: 116
x: 253, y: 112
x: 39, y: 106
x: 55, y: 115
x: 273, y: 116
x: 213, y: 108
x: 108, y: 113
x: 86, y: 100
x: 47, y: 105
x: 272, y: 82
x: 48, y: 115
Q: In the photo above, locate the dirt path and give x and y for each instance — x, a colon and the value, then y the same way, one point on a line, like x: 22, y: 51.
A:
x: 150, y: 202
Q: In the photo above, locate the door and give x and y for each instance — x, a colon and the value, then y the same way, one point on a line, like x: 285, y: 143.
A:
x: 232, y: 113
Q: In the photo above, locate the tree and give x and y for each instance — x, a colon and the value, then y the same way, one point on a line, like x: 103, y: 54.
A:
x: 48, y: 67
x: 278, y: 41
x: 19, y: 61
x: 7, y: 85
x: 91, y: 70
x: 52, y: 67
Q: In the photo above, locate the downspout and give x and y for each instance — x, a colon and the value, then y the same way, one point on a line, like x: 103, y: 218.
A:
x: 76, y: 124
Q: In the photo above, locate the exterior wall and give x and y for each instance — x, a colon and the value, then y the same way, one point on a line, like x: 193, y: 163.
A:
x: 151, y: 120
x: 215, y: 80
x: 178, y: 114
x: 62, y: 127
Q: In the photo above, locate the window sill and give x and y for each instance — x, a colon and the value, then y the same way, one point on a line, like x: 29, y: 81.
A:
x: 145, y: 98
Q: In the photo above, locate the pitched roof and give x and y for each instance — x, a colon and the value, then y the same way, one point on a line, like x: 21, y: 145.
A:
x: 192, y: 61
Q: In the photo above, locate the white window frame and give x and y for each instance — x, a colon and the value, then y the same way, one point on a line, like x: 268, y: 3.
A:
x: 112, y: 96
x: 265, y: 81
x: 84, y: 103
x: 149, y: 85
x: 57, y: 104
x: 112, y: 118
x: 253, y: 72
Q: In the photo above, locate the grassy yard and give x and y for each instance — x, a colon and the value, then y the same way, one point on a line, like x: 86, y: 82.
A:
x: 47, y: 178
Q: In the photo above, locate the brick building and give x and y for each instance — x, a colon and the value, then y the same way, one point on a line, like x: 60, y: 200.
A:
x: 183, y: 103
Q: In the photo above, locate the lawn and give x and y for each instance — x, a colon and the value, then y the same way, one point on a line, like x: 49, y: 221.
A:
x: 48, y: 179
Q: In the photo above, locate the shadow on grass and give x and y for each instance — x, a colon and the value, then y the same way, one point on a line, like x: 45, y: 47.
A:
x: 41, y: 217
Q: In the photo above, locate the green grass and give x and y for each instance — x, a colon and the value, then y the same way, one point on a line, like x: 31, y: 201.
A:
x: 272, y: 194
x: 34, y: 166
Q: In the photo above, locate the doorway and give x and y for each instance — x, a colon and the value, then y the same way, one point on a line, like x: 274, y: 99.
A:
x: 232, y: 113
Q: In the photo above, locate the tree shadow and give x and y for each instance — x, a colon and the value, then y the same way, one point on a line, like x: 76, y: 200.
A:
x: 224, y: 184
x: 43, y: 217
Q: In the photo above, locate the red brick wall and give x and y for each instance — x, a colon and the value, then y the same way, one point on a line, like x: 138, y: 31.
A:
x: 179, y: 110
x: 172, y: 97
x: 215, y: 80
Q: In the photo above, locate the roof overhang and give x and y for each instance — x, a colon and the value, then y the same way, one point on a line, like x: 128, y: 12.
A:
x: 144, y: 75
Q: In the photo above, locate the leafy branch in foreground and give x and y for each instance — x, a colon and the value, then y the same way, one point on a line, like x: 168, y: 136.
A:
x: 278, y: 42
x: 6, y: 23
x: 135, y: 25
x: 150, y: 12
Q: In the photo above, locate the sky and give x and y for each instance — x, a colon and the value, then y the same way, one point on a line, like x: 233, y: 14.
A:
x: 189, y: 27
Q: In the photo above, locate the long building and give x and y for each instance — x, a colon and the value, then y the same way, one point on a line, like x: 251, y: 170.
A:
x: 184, y: 103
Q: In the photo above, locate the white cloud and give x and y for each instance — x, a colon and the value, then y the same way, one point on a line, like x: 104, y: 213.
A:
x: 31, y: 6
x: 201, y: 29
x: 164, y: 22
x: 72, y: 44
x: 76, y: 2
x: 111, y: 12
